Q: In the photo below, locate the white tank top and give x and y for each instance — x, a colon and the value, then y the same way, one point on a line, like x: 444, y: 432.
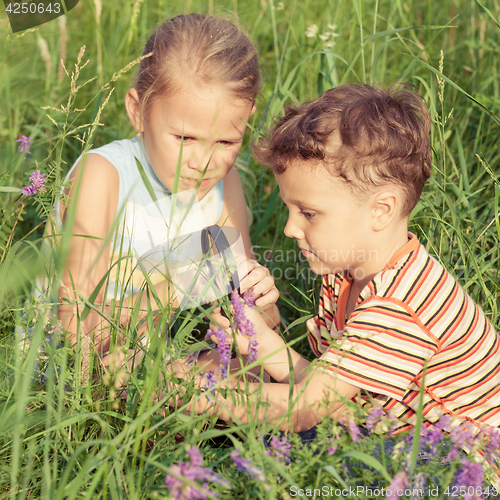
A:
x: 143, y: 224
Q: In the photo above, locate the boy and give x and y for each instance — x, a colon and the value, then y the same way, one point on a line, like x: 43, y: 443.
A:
x: 351, y: 166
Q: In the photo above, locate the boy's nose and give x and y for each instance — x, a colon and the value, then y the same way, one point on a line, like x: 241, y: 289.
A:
x: 292, y: 230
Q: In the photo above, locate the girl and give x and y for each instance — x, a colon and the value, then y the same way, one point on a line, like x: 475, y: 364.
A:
x: 193, y: 95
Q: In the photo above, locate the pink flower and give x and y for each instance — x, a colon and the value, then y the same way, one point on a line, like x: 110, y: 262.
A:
x: 463, y: 435
x: 333, y: 447
x: 398, y: 484
x: 181, y: 475
x: 354, y: 431
x: 25, y: 145
x: 374, y: 417
x: 37, y: 184
x: 280, y: 449
x: 224, y: 349
x: 244, y: 465
x: 491, y: 438
x: 470, y: 475
x: 245, y: 326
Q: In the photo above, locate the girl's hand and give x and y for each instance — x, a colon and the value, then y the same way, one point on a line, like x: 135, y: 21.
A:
x: 261, y: 282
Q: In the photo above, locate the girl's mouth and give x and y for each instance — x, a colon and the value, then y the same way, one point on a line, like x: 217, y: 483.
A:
x: 192, y: 183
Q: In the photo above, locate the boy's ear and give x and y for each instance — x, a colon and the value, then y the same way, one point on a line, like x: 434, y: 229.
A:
x: 386, y: 205
x: 133, y: 107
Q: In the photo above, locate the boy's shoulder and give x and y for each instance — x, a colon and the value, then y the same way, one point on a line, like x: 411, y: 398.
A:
x: 412, y: 279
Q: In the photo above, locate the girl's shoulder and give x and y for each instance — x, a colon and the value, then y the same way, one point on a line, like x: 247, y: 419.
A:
x: 117, y: 151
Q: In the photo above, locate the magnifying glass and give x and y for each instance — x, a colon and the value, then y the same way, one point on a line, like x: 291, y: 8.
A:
x: 216, y: 248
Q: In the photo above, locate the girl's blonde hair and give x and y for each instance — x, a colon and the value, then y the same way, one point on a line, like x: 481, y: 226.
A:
x: 200, y: 51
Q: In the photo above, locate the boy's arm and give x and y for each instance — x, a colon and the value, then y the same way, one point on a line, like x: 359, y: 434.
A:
x: 272, y: 351
x: 316, y: 396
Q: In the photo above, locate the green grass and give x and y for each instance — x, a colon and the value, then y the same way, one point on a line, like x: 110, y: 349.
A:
x: 61, y: 439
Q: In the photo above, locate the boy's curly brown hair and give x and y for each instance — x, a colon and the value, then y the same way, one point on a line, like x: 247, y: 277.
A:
x: 367, y: 136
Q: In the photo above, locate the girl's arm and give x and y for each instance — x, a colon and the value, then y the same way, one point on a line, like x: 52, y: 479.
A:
x: 88, y: 260
x: 235, y: 214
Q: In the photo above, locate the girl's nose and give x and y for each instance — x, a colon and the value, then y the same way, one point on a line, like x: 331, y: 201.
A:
x: 200, y: 158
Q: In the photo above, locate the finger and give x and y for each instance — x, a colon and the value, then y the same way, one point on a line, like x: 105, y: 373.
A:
x: 267, y: 300
x: 256, y: 273
x: 265, y: 286
x: 221, y: 322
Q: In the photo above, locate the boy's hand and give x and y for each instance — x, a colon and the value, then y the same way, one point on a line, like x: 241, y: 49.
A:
x: 253, y: 315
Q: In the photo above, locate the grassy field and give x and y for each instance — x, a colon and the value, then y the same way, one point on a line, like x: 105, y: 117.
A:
x: 62, y: 437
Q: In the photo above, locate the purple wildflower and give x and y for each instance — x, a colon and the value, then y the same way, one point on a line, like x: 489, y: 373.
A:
x: 244, y: 465
x: 195, y: 456
x: 374, y: 417
x: 56, y: 330
x: 191, y: 472
x: 354, y: 431
x: 463, y: 435
x: 333, y: 447
x: 471, y: 474
x: 431, y: 437
x: 249, y: 298
x: 280, y: 449
x: 444, y: 423
x: 419, y: 484
x: 453, y: 454
x: 245, y: 326
x: 25, y: 145
x: 398, y: 484
x: 224, y: 349
x: 491, y: 437
x: 210, y: 381
x: 37, y: 184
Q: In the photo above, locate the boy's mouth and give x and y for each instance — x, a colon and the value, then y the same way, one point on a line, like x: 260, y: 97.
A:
x: 306, y: 252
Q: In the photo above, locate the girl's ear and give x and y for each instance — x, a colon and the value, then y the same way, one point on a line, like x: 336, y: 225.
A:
x: 133, y: 107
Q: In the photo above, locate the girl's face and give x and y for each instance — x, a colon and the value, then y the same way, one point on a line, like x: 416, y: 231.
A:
x: 209, y: 127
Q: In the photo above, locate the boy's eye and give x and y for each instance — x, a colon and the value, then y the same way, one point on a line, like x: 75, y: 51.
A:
x: 307, y: 215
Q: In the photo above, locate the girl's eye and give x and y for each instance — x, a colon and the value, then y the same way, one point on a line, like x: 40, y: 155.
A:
x: 184, y: 138
x: 226, y: 143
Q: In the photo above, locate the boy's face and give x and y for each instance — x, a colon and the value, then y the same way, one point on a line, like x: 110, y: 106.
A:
x: 330, y: 225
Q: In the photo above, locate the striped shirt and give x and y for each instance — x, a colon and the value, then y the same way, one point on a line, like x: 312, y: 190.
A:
x: 412, y: 314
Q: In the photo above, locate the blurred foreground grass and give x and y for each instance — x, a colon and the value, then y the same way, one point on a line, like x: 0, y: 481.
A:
x: 59, y: 439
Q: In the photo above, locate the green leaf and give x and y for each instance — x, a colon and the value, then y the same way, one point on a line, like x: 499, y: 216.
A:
x: 368, y: 460
x: 336, y: 475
